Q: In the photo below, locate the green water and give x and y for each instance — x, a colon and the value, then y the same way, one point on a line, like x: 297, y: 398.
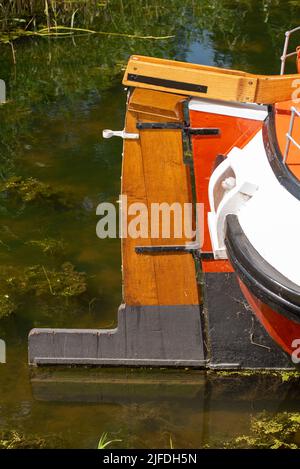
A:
x: 61, y: 93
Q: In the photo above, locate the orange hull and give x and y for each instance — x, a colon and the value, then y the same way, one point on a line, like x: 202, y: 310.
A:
x: 237, y: 132
x: 282, y: 330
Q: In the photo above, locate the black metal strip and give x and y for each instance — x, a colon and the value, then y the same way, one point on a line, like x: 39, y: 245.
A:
x: 262, y: 279
x: 160, y: 126
x: 177, y: 85
x: 203, y: 131
x: 167, y: 248
x: 193, y: 249
x: 178, y: 126
x: 207, y: 256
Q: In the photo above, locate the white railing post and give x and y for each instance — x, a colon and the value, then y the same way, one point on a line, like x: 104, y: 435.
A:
x: 285, y: 55
x: 289, y: 137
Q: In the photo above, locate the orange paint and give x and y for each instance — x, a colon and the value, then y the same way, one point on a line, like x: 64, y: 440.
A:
x: 216, y: 266
x: 282, y: 122
x: 281, y: 329
x: 298, y: 59
x: 234, y: 132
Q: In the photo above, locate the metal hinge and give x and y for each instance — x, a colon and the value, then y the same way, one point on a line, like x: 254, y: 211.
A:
x: 186, y: 132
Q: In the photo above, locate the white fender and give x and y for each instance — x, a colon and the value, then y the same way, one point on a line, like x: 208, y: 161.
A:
x: 229, y: 189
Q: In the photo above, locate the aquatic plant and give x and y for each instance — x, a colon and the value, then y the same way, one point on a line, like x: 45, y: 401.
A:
x: 281, y: 431
x: 104, y: 442
x: 267, y: 431
x: 284, y: 376
x: 66, y: 282
x: 37, y: 280
x: 49, y: 246
x: 20, y: 20
x: 13, y: 439
x: 7, y: 304
x: 32, y: 190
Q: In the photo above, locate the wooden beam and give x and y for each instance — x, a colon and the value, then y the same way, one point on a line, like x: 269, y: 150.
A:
x: 207, y: 82
x: 168, y: 106
x: 276, y: 88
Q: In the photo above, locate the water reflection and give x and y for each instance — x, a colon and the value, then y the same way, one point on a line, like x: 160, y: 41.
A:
x: 196, y: 409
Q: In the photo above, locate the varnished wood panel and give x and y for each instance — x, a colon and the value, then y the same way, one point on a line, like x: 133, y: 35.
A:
x: 139, y: 284
x: 276, y: 88
x: 224, y: 84
x: 220, y: 85
x: 153, y: 171
x: 157, y: 103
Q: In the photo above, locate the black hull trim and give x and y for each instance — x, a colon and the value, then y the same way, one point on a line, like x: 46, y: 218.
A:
x: 263, y: 280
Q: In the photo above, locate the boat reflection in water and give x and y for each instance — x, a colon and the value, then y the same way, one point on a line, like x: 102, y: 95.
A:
x: 147, y: 407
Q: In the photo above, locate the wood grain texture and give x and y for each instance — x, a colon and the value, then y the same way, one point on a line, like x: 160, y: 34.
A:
x: 157, y: 103
x: 223, y: 84
x: 153, y: 172
x: 276, y: 88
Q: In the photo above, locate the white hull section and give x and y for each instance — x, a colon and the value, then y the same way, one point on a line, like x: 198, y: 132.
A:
x: 256, y: 112
x: 245, y: 184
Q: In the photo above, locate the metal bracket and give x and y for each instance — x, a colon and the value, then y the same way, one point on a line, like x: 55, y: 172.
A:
x: 107, y: 133
x: 189, y: 248
x: 177, y: 126
x: 207, y: 256
x: 186, y: 131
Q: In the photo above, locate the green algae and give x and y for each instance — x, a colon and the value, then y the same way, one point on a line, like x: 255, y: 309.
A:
x: 281, y: 431
x: 66, y: 282
x: 284, y: 375
x: 16, y: 284
x: 32, y: 190
x: 49, y: 246
x: 7, y: 305
x: 13, y: 439
x: 287, y: 376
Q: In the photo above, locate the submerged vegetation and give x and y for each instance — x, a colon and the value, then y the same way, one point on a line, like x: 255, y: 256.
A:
x: 49, y: 246
x: 57, y: 18
x: 16, y: 285
x: 104, y: 441
x: 281, y: 431
x: 33, y: 190
x: 284, y: 375
x: 13, y: 439
x: 267, y: 431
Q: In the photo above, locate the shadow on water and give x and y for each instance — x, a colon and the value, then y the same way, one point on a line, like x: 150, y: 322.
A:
x: 61, y: 93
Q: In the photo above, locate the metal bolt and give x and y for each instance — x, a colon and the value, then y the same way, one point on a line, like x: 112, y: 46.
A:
x: 229, y: 183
